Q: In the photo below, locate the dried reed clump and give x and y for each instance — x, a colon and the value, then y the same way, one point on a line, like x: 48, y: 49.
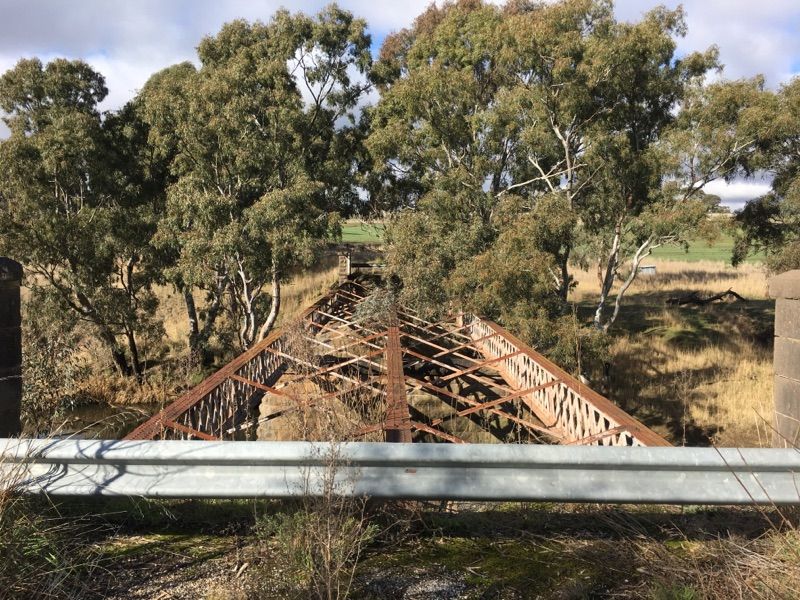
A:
x: 317, y: 546
x: 730, y: 566
x: 44, y: 555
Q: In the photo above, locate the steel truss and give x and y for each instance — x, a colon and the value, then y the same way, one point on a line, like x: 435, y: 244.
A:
x: 484, y: 378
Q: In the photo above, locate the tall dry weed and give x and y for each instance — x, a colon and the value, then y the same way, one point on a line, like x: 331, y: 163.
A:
x: 43, y: 554
x: 698, y: 375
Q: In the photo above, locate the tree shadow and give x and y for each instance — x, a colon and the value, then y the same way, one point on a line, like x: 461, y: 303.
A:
x: 647, y: 382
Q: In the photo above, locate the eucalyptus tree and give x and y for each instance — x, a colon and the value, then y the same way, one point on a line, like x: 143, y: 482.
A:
x: 555, y: 113
x: 465, y: 140
x: 77, y: 205
x: 771, y: 223
x: 261, y: 140
x: 436, y: 143
x: 668, y: 135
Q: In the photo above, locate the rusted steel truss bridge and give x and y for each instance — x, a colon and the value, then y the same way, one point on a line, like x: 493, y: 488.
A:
x: 395, y: 377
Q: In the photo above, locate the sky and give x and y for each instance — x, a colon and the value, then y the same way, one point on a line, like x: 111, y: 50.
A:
x: 128, y: 40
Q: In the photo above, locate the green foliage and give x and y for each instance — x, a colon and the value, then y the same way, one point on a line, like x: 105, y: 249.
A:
x: 75, y: 205
x: 258, y: 174
x: 772, y: 223
x: 378, y: 308
x: 553, y: 122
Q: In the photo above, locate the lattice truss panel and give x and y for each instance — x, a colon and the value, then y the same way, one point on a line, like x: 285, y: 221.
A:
x: 350, y: 371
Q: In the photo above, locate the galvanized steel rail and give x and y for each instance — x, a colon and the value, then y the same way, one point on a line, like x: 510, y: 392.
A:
x: 480, y: 472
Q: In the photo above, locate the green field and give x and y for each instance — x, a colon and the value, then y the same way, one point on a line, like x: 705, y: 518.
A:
x: 362, y: 233
x: 719, y: 251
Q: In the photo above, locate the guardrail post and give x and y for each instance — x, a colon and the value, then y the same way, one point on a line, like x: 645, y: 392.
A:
x: 10, y: 347
x: 785, y: 288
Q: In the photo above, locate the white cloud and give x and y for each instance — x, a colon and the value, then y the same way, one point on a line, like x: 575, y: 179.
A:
x: 130, y: 40
x: 753, y: 37
x: 734, y: 194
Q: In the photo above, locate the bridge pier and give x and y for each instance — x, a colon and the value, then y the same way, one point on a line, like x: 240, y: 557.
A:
x: 785, y: 288
x: 10, y: 348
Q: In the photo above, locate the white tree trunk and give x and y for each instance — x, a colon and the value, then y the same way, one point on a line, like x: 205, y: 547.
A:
x: 276, y: 305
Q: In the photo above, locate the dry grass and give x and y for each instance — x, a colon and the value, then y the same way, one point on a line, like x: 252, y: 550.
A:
x: 43, y: 554
x: 301, y: 291
x: 749, y: 280
x: 698, y: 375
x: 307, y: 287
x: 170, y: 370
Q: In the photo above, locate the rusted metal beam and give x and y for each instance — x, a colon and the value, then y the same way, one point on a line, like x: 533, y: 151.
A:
x: 495, y: 402
x: 189, y: 431
x: 480, y: 365
x: 554, y: 433
x: 346, y: 322
x: 259, y: 386
x: 361, y: 340
x: 514, y: 371
x: 470, y: 345
x: 437, y: 432
x: 305, y: 363
x: 446, y: 326
x: 443, y: 351
x: 301, y: 404
x: 337, y: 366
x: 344, y: 334
x: 150, y: 428
x: 602, y: 405
x: 596, y: 437
x: 479, y: 378
x: 398, y: 418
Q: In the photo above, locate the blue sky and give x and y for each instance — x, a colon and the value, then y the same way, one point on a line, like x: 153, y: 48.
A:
x: 128, y: 40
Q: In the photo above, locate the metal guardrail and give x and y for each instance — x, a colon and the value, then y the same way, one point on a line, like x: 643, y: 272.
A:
x: 486, y: 472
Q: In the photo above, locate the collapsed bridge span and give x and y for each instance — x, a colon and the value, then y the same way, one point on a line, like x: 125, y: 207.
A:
x: 389, y: 374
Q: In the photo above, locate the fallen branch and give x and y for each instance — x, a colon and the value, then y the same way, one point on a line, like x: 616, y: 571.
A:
x: 697, y: 299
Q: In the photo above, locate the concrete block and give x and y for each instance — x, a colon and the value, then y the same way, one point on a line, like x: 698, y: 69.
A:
x: 787, y: 413
x: 10, y: 399
x: 785, y: 285
x: 787, y: 318
x: 10, y: 313
x: 787, y: 357
x: 10, y: 270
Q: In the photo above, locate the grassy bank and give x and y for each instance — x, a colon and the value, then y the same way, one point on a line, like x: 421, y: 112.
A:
x: 354, y: 232
x: 720, y: 250
x: 698, y: 375
x: 698, y: 250
x: 219, y: 550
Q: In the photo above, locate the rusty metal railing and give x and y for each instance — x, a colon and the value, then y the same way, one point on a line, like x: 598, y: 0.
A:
x: 563, y: 408
x: 573, y: 410
x: 220, y: 402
